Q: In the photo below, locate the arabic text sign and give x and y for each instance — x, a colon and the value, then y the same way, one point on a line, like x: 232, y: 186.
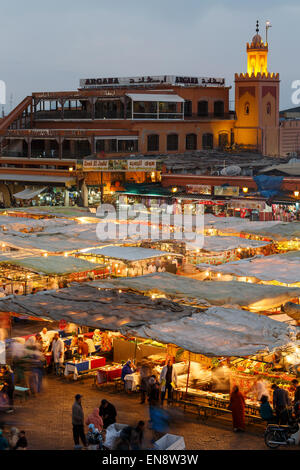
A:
x: 119, y: 165
x: 153, y: 79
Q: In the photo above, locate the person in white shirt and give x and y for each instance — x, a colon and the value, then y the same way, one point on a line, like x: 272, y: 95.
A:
x: 58, y: 349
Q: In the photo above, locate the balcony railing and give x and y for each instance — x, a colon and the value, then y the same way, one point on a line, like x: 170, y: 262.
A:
x: 211, y: 116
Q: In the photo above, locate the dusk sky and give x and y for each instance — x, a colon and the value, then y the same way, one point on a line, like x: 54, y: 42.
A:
x: 49, y: 46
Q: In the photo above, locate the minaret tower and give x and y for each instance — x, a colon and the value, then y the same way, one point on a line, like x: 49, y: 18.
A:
x: 257, y: 101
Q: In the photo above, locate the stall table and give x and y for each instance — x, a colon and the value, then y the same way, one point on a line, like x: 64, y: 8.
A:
x: 80, y: 367
x: 108, y: 373
x: 211, y: 400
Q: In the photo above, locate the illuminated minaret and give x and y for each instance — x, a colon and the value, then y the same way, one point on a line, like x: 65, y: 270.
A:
x: 257, y: 101
x: 257, y: 55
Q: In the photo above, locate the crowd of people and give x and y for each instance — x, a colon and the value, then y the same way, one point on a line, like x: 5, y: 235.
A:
x: 283, y: 407
x: 130, y: 437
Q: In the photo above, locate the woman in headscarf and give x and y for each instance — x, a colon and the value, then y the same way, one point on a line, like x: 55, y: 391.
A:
x: 95, y: 419
x: 237, y: 407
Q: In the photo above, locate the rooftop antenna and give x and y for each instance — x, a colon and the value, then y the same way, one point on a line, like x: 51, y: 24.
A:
x: 268, y: 25
x: 11, y: 102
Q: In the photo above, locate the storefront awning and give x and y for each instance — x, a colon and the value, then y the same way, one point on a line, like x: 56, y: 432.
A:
x: 29, y: 193
x: 36, y: 178
x: 155, y: 97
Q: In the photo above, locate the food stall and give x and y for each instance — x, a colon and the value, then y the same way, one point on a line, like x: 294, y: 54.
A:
x: 131, y: 260
x: 219, y: 250
x: 31, y: 274
x: 281, y: 270
x: 223, y: 347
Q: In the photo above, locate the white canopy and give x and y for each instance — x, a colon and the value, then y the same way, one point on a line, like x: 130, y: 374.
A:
x: 29, y: 193
x: 281, y: 268
x: 155, y: 97
x: 221, y: 332
x: 215, y: 243
x: 129, y: 253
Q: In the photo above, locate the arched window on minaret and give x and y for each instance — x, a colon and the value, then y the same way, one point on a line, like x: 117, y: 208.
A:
x: 247, y: 108
x: 269, y: 108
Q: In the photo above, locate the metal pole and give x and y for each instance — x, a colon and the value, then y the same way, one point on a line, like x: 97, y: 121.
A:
x: 188, y: 375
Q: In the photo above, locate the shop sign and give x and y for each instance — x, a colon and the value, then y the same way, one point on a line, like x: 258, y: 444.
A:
x: 119, y: 165
x: 142, y: 165
x: 239, y: 203
x: 150, y: 80
x: 198, y: 189
x: 94, y: 165
x: 226, y: 191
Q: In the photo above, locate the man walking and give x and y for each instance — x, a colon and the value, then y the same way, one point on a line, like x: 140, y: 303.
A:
x: 78, y: 422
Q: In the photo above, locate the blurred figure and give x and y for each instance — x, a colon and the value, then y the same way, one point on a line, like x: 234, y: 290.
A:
x: 153, y: 391
x: 78, y: 422
x: 137, y: 436
x: 13, y: 438
x: 127, y: 369
x: 9, y: 387
x: 94, y: 438
x: 83, y: 348
x: 95, y: 419
x: 281, y: 403
x: 68, y: 356
x: 108, y: 413
x: 159, y: 421
x: 97, y: 336
x: 22, y: 442
x: 3, y: 442
x: 145, y: 372
x: 237, y: 407
x: 58, y: 349
x: 123, y: 441
x: 266, y: 411
x: 168, y: 380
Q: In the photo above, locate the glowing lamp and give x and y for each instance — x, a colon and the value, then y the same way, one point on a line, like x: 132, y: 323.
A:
x: 245, y: 189
x: 296, y: 193
x: 174, y: 190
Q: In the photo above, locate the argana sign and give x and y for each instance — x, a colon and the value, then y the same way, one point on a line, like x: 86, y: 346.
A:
x: 150, y: 80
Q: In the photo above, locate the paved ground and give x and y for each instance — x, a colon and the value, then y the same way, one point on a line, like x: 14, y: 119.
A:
x: 47, y: 419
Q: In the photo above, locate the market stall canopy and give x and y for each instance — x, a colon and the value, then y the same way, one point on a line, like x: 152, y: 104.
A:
x: 71, y: 237
x: 284, y: 268
x: 52, y: 265
x: 292, y: 169
x: 252, y: 296
x: 214, y: 243
x: 29, y: 193
x: 221, y: 332
x: 236, y: 225
x: 37, y: 178
x: 282, y: 231
x: 86, y: 305
x: 127, y: 253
